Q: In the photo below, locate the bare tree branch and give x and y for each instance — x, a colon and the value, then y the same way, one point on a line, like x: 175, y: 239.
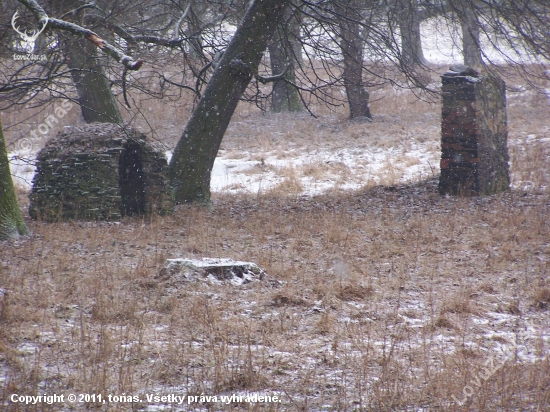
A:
x: 83, y: 7
x: 180, y: 21
x: 108, y: 48
x: 269, y: 79
x: 94, y: 19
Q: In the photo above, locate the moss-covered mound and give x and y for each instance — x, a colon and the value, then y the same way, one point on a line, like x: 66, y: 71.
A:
x: 99, y: 171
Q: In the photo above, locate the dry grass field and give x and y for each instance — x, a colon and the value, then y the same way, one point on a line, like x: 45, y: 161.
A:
x: 391, y: 297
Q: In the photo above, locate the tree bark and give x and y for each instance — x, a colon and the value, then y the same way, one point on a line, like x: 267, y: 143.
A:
x: 95, y: 97
x: 191, y: 164
x: 295, y: 39
x: 351, y: 44
x: 409, y: 28
x: 285, y: 97
x: 11, y: 219
x: 471, y: 49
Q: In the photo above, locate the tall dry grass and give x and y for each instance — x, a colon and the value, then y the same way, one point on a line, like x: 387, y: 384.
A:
x: 392, y: 298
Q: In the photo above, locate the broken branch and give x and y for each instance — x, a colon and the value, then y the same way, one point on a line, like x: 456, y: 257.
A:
x: 108, y: 48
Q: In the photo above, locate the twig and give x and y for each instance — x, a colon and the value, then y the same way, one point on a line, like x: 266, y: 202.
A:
x: 180, y: 85
x: 269, y: 79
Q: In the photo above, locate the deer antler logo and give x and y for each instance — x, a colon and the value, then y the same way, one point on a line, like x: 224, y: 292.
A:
x: 29, y: 38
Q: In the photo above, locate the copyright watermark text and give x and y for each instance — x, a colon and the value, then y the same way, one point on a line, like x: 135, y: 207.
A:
x: 250, y: 398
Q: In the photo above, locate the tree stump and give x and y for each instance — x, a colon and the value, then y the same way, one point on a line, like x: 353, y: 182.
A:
x: 214, y: 271
x: 474, y: 134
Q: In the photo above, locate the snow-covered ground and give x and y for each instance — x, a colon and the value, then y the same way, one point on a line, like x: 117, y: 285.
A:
x: 345, y: 169
x: 314, y: 171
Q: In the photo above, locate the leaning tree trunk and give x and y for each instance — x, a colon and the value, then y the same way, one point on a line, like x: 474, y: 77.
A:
x: 351, y: 44
x: 471, y: 48
x: 95, y: 97
x: 11, y: 220
x: 194, y: 155
x: 409, y: 28
x: 285, y: 97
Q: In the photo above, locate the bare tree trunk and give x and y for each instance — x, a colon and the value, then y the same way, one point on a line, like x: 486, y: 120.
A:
x: 351, y: 44
x: 95, y: 97
x: 11, y: 220
x: 471, y: 48
x: 295, y: 39
x: 194, y: 155
x: 409, y: 27
x: 94, y: 94
x: 285, y: 97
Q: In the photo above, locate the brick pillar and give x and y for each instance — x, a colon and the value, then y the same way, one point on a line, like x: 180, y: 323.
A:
x: 474, y: 134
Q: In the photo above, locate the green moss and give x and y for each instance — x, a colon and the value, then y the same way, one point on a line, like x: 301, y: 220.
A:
x: 85, y: 176
x: 11, y: 220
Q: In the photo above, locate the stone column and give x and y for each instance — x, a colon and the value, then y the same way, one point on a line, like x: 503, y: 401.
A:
x: 474, y: 134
